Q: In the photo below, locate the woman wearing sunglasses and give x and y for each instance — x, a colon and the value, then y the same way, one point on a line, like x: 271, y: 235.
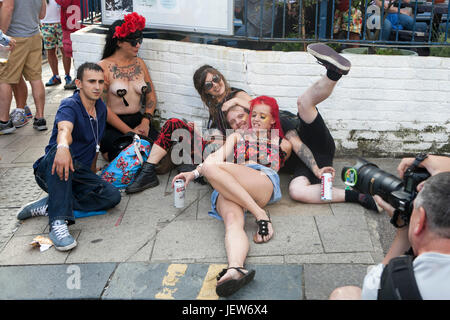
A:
x: 218, y: 96
x: 128, y: 86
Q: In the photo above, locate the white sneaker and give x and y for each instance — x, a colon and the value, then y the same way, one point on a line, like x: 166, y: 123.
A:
x: 18, y: 117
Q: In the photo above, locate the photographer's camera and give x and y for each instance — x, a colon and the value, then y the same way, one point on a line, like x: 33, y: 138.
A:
x: 366, y: 177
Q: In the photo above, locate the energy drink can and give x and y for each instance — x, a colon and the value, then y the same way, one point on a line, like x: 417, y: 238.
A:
x: 326, y: 187
x: 179, y: 190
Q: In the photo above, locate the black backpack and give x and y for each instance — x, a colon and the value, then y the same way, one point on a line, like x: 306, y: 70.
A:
x: 398, y: 281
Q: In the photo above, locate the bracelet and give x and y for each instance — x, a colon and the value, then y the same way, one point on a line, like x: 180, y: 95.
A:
x: 62, y: 145
x: 196, y: 173
x: 198, y: 168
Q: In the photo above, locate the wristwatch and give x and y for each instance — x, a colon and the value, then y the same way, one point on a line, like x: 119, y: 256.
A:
x: 148, y: 116
x: 419, y: 158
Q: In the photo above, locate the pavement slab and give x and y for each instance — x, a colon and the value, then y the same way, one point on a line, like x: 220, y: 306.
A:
x: 82, y: 281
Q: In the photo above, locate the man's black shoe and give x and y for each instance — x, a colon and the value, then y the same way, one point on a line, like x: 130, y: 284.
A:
x: 145, y: 178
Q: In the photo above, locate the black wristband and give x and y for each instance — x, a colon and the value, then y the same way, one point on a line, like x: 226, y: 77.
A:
x: 148, y: 116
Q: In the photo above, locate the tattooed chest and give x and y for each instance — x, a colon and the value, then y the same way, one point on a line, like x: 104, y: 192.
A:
x: 130, y: 73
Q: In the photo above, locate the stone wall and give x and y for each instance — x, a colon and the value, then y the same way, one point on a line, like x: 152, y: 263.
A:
x: 386, y: 106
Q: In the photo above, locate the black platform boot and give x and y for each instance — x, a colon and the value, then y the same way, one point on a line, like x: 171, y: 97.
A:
x: 145, y: 178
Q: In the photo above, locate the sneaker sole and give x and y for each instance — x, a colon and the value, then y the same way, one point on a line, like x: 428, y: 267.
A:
x: 8, y: 131
x: 53, y: 84
x: 40, y: 128
x: 21, y: 125
x: 67, y: 248
x: 324, y: 52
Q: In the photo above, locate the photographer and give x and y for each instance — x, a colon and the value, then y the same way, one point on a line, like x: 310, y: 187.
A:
x: 428, y: 235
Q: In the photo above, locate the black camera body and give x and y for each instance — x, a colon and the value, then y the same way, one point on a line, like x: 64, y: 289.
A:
x: 366, y: 177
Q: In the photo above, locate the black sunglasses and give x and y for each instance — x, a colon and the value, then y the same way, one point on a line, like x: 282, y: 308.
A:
x: 209, y: 84
x: 134, y: 42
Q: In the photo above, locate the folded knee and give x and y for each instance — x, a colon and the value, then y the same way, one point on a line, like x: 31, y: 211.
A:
x: 209, y: 169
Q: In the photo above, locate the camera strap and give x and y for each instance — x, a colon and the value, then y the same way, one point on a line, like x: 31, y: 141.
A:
x: 398, y: 281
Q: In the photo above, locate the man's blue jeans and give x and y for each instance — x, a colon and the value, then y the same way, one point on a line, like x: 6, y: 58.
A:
x: 83, y: 191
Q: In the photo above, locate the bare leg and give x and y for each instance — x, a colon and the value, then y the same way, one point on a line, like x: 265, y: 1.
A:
x: 236, y: 241
x: 67, y: 61
x: 38, y: 90
x: 5, y: 101
x: 53, y: 61
x: 20, y: 91
x: 300, y: 189
x: 244, y: 186
x: 315, y: 94
x: 156, y: 154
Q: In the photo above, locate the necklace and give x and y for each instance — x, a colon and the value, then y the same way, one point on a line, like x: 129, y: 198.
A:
x: 97, y: 146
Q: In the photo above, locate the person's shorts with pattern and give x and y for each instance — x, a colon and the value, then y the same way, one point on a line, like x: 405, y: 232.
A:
x: 341, y: 21
x: 52, y: 34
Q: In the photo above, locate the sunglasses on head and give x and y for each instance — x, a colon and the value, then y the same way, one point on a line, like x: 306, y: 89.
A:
x: 209, y: 84
x: 134, y: 42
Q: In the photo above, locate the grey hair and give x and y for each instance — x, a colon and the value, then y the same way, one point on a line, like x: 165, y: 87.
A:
x: 435, y: 199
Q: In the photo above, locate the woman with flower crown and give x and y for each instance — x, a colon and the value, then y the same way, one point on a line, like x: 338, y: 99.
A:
x: 128, y: 86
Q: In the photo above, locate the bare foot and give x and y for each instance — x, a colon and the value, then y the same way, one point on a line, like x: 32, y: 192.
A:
x: 231, y: 274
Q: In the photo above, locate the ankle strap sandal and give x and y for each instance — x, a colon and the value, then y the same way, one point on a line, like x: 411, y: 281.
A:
x: 263, y: 226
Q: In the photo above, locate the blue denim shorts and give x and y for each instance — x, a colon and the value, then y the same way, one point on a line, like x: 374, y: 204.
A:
x: 273, y: 176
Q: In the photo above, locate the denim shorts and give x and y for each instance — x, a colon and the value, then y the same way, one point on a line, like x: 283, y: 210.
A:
x: 273, y: 176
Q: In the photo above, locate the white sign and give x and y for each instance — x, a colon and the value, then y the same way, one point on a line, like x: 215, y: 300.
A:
x: 202, y: 16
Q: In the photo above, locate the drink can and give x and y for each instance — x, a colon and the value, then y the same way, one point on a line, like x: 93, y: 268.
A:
x: 179, y: 190
x: 326, y: 187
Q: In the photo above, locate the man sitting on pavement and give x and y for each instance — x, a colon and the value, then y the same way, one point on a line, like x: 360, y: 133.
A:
x: 67, y: 170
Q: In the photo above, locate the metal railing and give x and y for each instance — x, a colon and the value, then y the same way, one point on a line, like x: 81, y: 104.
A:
x: 350, y: 22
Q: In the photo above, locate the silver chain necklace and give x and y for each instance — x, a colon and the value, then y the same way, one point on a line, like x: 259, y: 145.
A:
x: 97, y: 146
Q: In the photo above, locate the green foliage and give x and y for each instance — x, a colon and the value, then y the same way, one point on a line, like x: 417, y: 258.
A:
x: 288, y: 46
x: 441, y: 51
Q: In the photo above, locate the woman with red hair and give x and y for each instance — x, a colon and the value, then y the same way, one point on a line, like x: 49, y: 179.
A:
x: 248, y: 183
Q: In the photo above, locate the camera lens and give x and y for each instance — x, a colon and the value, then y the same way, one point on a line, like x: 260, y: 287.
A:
x: 373, y: 180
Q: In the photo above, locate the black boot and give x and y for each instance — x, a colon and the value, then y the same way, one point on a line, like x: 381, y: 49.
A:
x: 145, y: 178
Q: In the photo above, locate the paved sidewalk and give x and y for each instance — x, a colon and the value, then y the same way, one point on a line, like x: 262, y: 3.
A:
x: 145, y: 248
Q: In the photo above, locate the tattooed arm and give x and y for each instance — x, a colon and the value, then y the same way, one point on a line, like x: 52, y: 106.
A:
x: 150, y: 104
x: 303, y: 152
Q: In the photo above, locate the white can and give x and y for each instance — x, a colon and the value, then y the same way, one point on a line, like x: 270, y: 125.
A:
x: 178, y: 193
x: 326, y: 187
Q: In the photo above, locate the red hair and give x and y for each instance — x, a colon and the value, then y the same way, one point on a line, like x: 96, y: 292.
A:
x: 274, y: 111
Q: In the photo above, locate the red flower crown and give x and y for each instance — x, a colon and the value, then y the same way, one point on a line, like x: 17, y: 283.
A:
x: 133, y: 22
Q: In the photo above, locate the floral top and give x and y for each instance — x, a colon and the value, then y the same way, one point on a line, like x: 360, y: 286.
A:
x: 262, y: 152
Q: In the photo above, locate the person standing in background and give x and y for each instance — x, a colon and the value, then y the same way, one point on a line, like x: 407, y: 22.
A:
x: 70, y: 17
x: 19, y: 19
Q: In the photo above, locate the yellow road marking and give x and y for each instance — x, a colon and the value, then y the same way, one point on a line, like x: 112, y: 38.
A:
x: 174, y: 273
x: 208, y: 290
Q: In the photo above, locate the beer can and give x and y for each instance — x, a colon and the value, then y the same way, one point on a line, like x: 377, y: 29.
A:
x: 179, y: 190
x: 326, y: 187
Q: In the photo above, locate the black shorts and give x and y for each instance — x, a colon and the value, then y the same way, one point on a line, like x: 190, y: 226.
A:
x: 111, y: 134
x: 318, y: 139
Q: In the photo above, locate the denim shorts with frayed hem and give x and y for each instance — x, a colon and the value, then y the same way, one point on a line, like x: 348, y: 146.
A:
x: 273, y: 176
